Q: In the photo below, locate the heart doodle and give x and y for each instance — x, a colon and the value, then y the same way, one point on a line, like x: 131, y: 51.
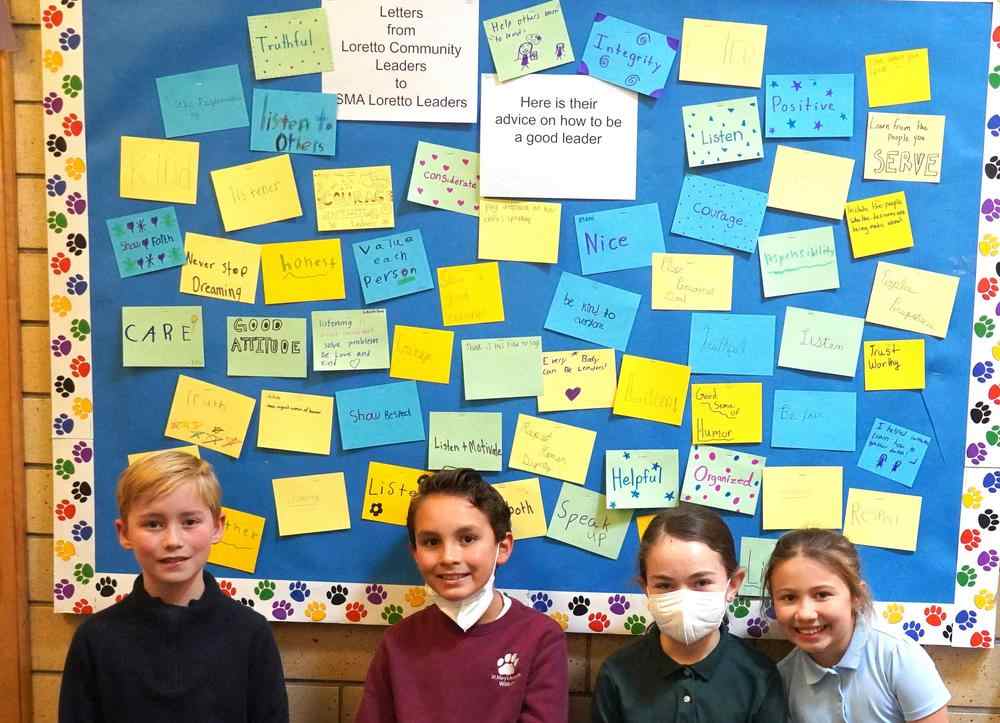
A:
x: 461, y: 202
x: 423, y: 163
x: 446, y: 167
x: 435, y: 202
x: 465, y: 161
x: 449, y: 190
x: 573, y: 393
x: 419, y: 189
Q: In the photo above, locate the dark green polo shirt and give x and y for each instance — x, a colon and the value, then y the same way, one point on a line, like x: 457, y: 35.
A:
x: 734, y: 684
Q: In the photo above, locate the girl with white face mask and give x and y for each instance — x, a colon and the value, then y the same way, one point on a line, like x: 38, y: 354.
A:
x: 687, y: 667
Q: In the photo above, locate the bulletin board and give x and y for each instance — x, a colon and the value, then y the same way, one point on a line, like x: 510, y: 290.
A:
x: 100, y: 75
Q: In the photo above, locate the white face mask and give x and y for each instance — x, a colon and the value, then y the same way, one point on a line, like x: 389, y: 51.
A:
x: 467, y: 612
x: 687, y: 616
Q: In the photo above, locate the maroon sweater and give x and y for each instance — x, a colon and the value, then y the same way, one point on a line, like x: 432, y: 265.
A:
x: 427, y: 670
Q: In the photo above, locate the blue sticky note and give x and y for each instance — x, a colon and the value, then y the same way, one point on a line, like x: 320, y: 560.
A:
x: 592, y: 311
x: 202, y: 101
x: 814, y: 420
x: 147, y: 241
x: 622, y: 238
x: 628, y: 55
x: 732, y: 344
x: 286, y: 121
x: 382, y: 414
x: 720, y: 213
x: 894, y: 452
x: 391, y: 266
x: 809, y: 106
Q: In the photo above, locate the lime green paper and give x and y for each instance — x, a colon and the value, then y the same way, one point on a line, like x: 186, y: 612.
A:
x: 445, y: 178
x: 754, y: 554
x: 465, y: 439
x: 502, y: 368
x: 264, y: 346
x: 292, y: 43
x: 528, y: 40
x: 162, y: 336
x: 820, y: 342
x: 798, y: 261
x: 581, y: 519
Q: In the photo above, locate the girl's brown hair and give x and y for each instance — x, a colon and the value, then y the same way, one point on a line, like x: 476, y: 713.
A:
x: 690, y: 523
x: 831, y: 550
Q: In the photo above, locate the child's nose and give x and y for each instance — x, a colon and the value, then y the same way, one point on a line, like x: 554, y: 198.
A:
x: 452, y: 552
x: 172, y: 536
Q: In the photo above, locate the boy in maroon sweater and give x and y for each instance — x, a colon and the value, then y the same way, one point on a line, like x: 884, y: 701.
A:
x: 475, y: 654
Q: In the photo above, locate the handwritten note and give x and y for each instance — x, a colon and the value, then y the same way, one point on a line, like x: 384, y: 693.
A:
x: 209, y: 416
x: 879, y: 224
x: 581, y: 519
x: 592, y: 311
x: 912, y: 299
x: 311, y: 503
x: 187, y: 449
x: 256, y: 193
x: 528, y: 40
x: 722, y: 132
x: 470, y: 294
x: 755, y: 552
x: 202, y: 101
x: 899, y: 77
x: 381, y: 414
x: 263, y: 346
x: 302, y: 271
x: 726, y: 413
x: 153, y: 169
x: 720, y: 213
x: 629, y: 55
x: 560, y: 451
x: 722, y: 53
x: 527, y: 511
x: 350, y: 340
x: 692, y: 281
x: 817, y: 341
x: 353, y: 198
x: 585, y: 379
x: 652, y: 389
x: 904, y: 147
x: 388, y: 491
x: 286, y: 121
x: 421, y: 354
x: 809, y: 182
x: 798, y: 261
x: 240, y: 543
x: 809, y: 106
x: 894, y: 452
x: 640, y: 478
x: 882, y: 519
x: 289, y: 43
x: 502, y: 368
x: 732, y: 344
x: 220, y: 269
x: 814, y: 420
x: 723, y: 478
x: 446, y: 178
x: 295, y: 422
x: 519, y: 230
x: 894, y: 364
x: 392, y: 266
x: 796, y: 497
x: 146, y: 241
x: 162, y: 336
x: 622, y: 238
x: 465, y: 439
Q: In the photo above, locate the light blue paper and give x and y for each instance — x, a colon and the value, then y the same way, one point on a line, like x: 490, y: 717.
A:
x: 202, y: 101
x: 592, y: 311
x: 732, y: 344
x: 392, y: 266
x: 722, y: 132
x: 382, y: 414
x: 894, y: 452
x: 720, y: 213
x: 628, y: 55
x: 814, y: 420
x: 809, y: 106
x: 286, y: 121
x: 147, y: 241
x: 622, y: 238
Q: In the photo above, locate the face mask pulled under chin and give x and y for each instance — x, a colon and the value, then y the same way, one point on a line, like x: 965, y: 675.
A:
x: 466, y: 612
x: 687, y: 616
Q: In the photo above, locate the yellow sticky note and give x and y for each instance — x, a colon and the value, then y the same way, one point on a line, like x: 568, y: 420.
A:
x: 352, y: 198
x: 189, y: 449
x: 796, y: 497
x: 903, y: 76
x: 904, y: 147
x: 153, y: 169
x: 642, y: 523
x: 240, y: 543
x: 253, y: 194
x: 311, y: 503
x: 585, y: 379
x: 295, y: 422
x: 388, y: 491
x: 220, y: 269
x: 421, y: 354
x: 698, y: 282
x: 519, y: 230
x: 652, y: 389
x: 882, y: 519
x: 722, y: 53
x: 552, y: 449
x: 912, y: 299
x: 527, y: 513
x: 727, y: 413
x: 209, y: 416
x: 302, y: 271
x: 470, y: 294
x: 894, y: 364
x: 809, y: 182
x: 879, y: 224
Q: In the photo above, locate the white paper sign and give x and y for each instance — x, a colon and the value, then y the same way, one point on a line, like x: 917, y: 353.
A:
x: 557, y: 136
x: 409, y: 60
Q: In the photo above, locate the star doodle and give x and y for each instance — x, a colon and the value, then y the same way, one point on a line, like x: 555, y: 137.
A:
x: 656, y: 465
x: 817, y: 126
x: 627, y: 455
x: 774, y: 84
x: 612, y: 506
x: 829, y: 92
x: 635, y: 493
x: 791, y: 123
x: 796, y: 85
x: 771, y: 131
x: 843, y: 116
x: 669, y: 496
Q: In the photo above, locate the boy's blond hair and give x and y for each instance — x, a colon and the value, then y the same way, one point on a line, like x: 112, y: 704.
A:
x: 160, y: 474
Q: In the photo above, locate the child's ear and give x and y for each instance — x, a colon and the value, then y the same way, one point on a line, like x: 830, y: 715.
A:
x: 122, y: 529
x: 220, y: 528
x: 504, y: 548
x: 734, y: 583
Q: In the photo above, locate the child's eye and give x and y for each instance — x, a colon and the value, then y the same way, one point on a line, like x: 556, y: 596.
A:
x: 192, y: 521
x: 426, y: 542
x: 469, y: 539
x: 151, y: 524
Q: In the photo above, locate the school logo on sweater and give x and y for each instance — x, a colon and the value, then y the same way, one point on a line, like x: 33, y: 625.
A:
x: 507, y: 670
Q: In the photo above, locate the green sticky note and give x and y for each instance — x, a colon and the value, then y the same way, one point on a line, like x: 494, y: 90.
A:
x: 502, y: 368
x: 581, y: 519
x: 640, y: 478
x: 265, y: 346
x: 445, y: 178
x: 754, y: 555
x: 162, y: 336
x: 528, y: 40
x: 465, y: 439
x: 797, y: 262
x: 292, y: 43
x: 817, y: 341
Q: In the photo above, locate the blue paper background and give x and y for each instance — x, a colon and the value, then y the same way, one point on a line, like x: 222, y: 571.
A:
x: 611, y: 311
x: 635, y: 231
x: 814, y: 420
x: 783, y: 103
x: 738, y: 344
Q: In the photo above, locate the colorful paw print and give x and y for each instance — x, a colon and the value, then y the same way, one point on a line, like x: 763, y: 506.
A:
x: 64, y: 550
x: 985, y: 600
x: 579, y: 605
x: 60, y: 264
x: 913, y: 629
x: 988, y: 560
x: 392, y: 614
x: 598, y: 622
x: 63, y: 590
x: 966, y: 619
x: 991, y: 482
x: 63, y: 468
x: 83, y: 607
x: 60, y: 346
x: 415, y: 597
x: 72, y: 85
x: 984, y: 327
x: 298, y: 591
x: 988, y: 520
x: 83, y: 572
x: 981, y: 639
x: 990, y: 209
x: 69, y: 39
x: 992, y: 436
x: 63, y: 424
x: 966, y: 576
x: 81, y: 531
x: 355, y: 612
x: 64, y: 386
x: 72, y: 125
x: 55, y: 186
x: 337, y: 594
x: 76, y: 285
x: 618, y: 604
x: 56, y: 146
x: 227, y: 588
x: 739, y: 607
x: 75, y: 204
x: 82, y: 407
x: 65, y: 510
x: 562, y: 620
x: 993, y: 124
x: 60, y: 305
x: 79, y: 329
x: 992, y: 167
x: 52, y: 60
x: 983, y: 370
x: 987, y: 287
x: 376, y: 594
x: 972, y: 498
x: 82, y: 453
x: 970, y: 539
x: 635, y: 624
x: 935, y: 615
x: 316, y: 611
x: 541, y: 602
x: 976, y: 452
x: 106, y: 586
x: 79, y: 366
x: 82, y: 490
x: 989, y: 245
x: 281, y: 610
x: 75, y: 168
x: 52, y: 17
x: 757, y: 627
x: 893, y: 613
x: 246, y: 602
x: 264, y: 590
x: 57, y: 221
